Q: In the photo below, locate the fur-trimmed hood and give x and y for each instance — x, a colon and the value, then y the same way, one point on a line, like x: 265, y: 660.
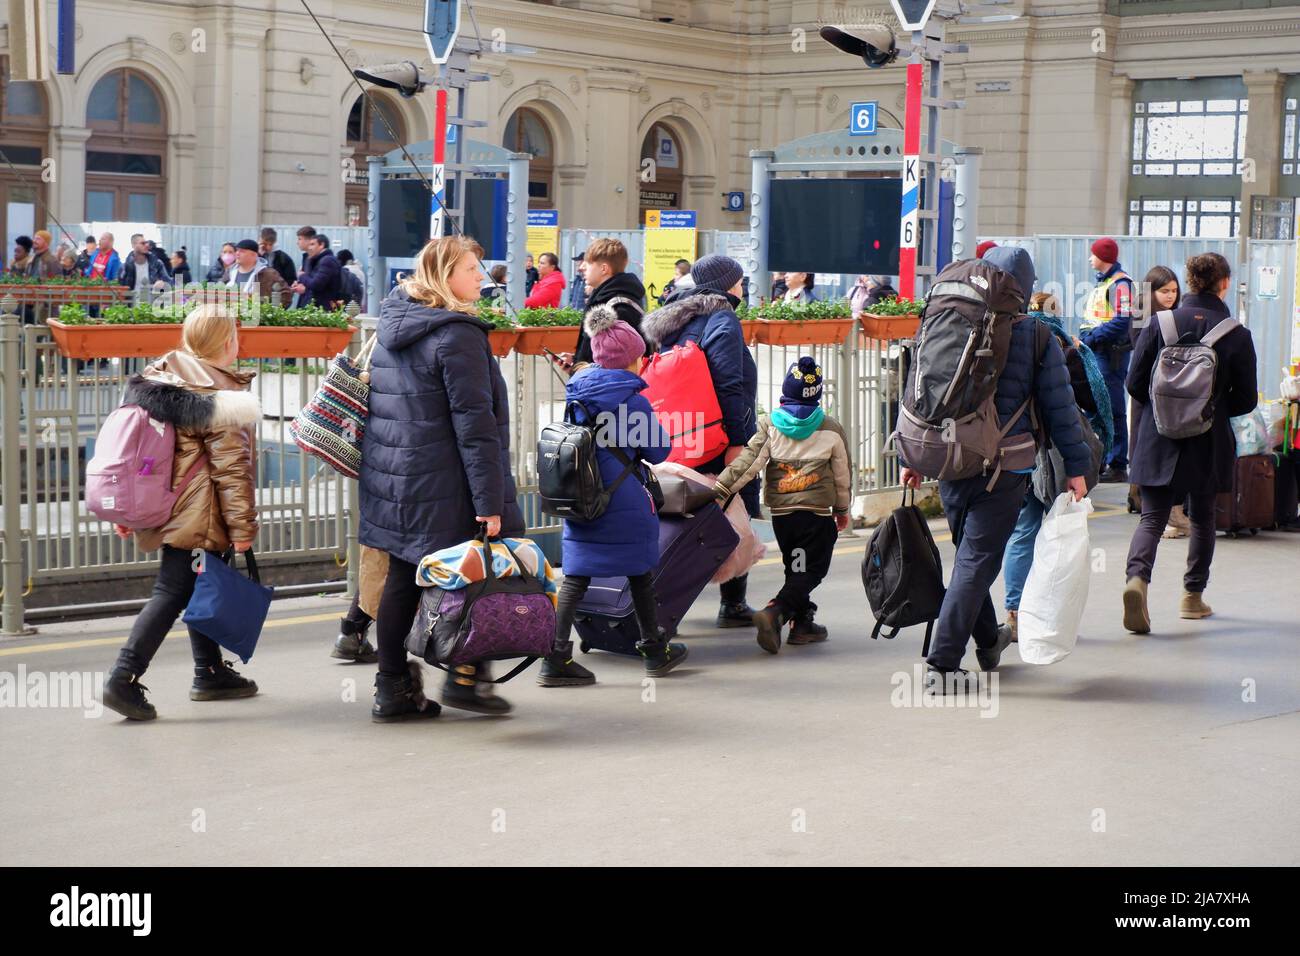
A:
x: 669, y: 319
x: 193, y: 394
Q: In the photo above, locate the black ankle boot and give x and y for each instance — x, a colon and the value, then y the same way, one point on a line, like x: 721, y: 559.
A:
x: 220, y: 681
x: 355, y: 648
x: 124, y: 694
x: 561, y: 670
x: 660, y: 656
x: 769, y: 622
x: 402, y: 698
x: 804, y: 630
x: 464, y: 691
x: 734, y: 612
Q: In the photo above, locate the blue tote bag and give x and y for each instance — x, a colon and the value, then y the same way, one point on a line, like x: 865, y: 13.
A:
x: 227, y: 606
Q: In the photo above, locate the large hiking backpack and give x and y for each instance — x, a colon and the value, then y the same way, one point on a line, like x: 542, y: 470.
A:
x: 948, y: 422
x: 129, y: 479
x: 903, y: 574
x: 1183, y: 380
x: 568, y: 472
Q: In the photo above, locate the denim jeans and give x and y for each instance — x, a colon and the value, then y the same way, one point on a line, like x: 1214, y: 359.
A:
x: 1019, y: 554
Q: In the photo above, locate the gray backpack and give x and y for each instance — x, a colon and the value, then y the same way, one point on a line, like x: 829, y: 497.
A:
x: 948, y: 421
x: 1183, y: 380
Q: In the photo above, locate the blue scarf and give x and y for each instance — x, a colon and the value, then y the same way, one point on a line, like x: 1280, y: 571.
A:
x: 1102, y: 420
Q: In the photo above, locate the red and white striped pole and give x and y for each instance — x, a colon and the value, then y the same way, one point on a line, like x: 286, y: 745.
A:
x: 439, y: 198
x: 909, y: 213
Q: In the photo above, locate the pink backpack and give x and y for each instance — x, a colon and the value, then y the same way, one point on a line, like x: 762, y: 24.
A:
x: 128, y: 482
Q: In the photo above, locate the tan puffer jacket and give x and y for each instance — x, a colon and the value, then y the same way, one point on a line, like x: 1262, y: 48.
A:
x: 213, y: 414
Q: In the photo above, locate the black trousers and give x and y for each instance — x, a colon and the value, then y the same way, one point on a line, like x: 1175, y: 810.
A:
x: 171, y: 593
x: 981, y: 523
x: 575, y: 587
x: 807, y: 542
x: 397, y: 609
x: 1157, y: 501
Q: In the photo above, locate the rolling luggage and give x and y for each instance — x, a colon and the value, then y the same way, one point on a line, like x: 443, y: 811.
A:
x: 1250, y: 505
x: 691, y: 547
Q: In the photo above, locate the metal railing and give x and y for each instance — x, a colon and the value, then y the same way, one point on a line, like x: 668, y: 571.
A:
x: 54, y: 408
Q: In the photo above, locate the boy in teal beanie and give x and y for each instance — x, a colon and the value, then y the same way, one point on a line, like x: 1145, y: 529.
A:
x: 808, y: 489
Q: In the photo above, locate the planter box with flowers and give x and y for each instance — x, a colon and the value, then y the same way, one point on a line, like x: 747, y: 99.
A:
x: 144, y: 331
x: 504, y: 333
x: 892, y: 319
x: 541, y: 329
x: 62, y: 290
x: 816, y: 323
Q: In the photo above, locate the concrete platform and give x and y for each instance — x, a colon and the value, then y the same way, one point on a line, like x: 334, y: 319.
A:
x: 1179, y: 747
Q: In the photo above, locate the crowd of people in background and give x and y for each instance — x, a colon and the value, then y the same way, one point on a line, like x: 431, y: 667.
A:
x: 253, y: 266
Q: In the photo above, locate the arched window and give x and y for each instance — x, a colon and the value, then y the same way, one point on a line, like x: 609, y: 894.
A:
x: 527, y: 132
x: 662, y: 169
x: 25, y: 142
x: 374, y: 128
x: 126, y: 154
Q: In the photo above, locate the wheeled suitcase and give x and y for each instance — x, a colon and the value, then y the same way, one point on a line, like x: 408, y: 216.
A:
x: 691, y: 547
x: 1250, y: 505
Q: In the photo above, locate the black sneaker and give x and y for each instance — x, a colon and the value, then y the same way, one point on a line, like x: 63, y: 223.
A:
x: 660, y: 656
x: 956, y: 682
x: 561, y: 670
x: 769, y: 622
x: 402, y: 698
x: 464, y: 691
x: 220, y: 682
x: 124, y: 694
x: 1114, y: 476
x: 989, y: 657
x: 735, y: 615
x: 804, y: 630
x: 355, y: 648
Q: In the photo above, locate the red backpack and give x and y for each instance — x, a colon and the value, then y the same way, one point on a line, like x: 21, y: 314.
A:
x: 679, y: 387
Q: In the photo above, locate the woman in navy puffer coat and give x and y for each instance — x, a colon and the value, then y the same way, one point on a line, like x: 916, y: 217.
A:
x: 435, y: 458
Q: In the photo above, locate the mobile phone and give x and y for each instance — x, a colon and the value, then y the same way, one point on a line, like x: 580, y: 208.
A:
x: 554, y: 356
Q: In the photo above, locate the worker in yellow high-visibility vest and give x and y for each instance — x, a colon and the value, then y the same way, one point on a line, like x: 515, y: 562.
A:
x: 1105, y: 329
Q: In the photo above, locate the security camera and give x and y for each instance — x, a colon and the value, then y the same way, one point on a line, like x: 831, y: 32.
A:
x: 403, y: 76
x: 876, y: 47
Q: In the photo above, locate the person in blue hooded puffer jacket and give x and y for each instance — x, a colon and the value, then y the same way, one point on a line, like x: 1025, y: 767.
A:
x: 981, y: 519
x: 624, y: 540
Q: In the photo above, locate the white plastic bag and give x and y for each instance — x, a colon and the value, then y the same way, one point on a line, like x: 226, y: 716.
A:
x: 1056, y: 590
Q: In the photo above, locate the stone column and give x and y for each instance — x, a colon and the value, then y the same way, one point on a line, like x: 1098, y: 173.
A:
x: 244, y: 109
x: 612, y: 97
x: 67, y: 192
x: 180, y: 205
x: 1119, y: 157
x: 1262, y: 165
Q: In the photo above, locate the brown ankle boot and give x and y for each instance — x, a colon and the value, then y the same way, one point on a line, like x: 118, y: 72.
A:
x: 1136, y: 618
x: 1193, y: 608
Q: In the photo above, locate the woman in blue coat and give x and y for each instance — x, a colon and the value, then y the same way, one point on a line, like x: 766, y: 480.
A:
x: 435, y: 458
x: 706, y: 315
x: 624, y: 540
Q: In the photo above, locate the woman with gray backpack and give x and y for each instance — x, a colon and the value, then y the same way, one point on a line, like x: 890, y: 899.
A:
x: 1193, y: 368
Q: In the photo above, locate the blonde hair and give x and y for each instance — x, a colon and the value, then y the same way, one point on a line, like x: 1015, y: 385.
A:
x: 610, y: 251
x: 431, y: 284
x: 208, y: 330
x: 1044, y: 302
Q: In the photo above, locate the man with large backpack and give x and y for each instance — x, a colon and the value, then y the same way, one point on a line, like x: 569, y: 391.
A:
x: 981, y: 382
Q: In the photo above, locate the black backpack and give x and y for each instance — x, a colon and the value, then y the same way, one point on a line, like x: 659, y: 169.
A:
x: 568, y: 473
x: 902, y: 573
x: 353, y: 290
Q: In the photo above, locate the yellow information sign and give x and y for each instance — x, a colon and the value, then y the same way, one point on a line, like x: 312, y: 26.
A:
x: 543, y: 232
x: 669, y: 235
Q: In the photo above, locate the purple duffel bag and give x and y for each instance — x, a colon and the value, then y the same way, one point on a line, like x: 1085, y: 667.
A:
x: 498, y: 618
